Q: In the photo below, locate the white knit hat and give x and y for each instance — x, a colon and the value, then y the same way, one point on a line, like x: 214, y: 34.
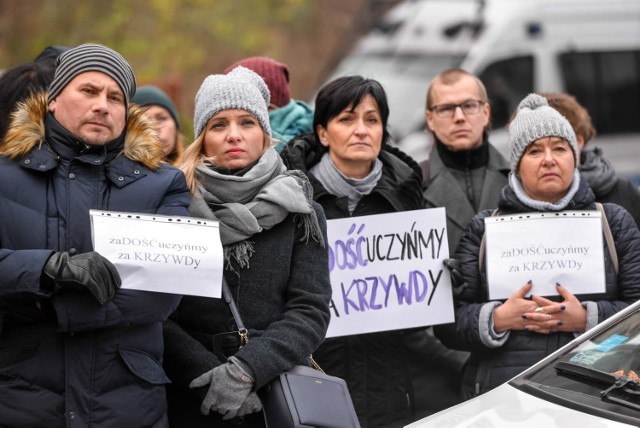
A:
x: 535, y: 120
x: 240, y: 89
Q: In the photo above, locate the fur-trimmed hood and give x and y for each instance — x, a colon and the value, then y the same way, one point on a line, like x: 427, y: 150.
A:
x: 27, y: 131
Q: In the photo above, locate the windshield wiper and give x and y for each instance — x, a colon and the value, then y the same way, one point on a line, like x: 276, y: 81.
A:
x: 622, y: 384
x: 585, y: 372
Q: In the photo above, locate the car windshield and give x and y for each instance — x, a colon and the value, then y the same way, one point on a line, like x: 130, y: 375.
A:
x: 405, y: 79
x: 599, y: 375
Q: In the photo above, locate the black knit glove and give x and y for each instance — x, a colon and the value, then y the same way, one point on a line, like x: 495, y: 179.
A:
x: 457, y: 280
x: 86, y: 271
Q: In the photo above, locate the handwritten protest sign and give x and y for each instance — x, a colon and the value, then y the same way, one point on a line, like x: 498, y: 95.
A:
x: 179, y: 255
x: 563, y: 247
x: 387, y: 272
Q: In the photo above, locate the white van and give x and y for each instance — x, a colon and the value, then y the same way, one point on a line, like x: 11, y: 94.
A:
x: 588, y: 48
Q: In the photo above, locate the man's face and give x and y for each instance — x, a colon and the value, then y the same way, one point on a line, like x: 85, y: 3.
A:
x: 91, y: 107
x: 461, y: 131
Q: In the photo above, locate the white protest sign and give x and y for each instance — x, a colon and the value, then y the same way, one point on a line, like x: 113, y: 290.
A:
x: 387, y: 272
x: 179, y: 255
x: 563, y: 247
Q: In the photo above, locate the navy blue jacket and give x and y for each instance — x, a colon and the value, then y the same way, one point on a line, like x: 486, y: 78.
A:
x: 64, y: 358
x: 489, y: 367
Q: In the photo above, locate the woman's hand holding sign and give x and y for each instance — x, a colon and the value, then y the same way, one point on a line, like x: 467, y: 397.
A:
x: 509, y: 315
x: 568, y: 315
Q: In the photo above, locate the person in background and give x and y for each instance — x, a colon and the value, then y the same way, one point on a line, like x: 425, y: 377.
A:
x: 276, y: 262
x: 595, y: 168
x: 464, y: 174
x: 76, y: 349
x: 19, y: 83
x: 507, y: 336
x: 289, y: 117
x: 162, y: 111
x: 355, y: 172
x: 50, y: 54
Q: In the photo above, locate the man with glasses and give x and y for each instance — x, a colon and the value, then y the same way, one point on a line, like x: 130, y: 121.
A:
x: 464, y: 174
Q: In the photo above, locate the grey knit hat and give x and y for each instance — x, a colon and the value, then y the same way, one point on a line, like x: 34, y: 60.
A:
x: 92, y: 57
x: 535, y: 120
x: 240, y: 89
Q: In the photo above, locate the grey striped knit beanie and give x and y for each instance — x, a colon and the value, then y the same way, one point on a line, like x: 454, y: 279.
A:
x: 240, y: 89
x: 535, y: 119
x: 92, y: 57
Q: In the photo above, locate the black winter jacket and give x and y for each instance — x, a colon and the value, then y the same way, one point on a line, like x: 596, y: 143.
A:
x: 489, y: 367
x: 373, y: 365
x: 78, y: 363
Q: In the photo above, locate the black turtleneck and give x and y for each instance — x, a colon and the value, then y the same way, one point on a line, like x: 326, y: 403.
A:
x: 466, y: 159
x: 468, y: 168
x: 68, y: 146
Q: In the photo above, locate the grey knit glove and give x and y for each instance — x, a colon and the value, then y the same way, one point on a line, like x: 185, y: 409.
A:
x: 229, y: 386
x: 251, y: 405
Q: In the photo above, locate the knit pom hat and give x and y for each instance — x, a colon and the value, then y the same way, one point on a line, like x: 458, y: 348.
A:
x: 91, y: 57
x: 535, y: 120
x: 240, y: 89
x: 274, y: 73
x: 153, y: 96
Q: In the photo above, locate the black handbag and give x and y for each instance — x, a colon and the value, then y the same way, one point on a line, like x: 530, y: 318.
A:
x: 301, y: 397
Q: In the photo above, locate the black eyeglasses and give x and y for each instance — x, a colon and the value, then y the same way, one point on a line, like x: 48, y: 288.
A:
x: 469, y: 107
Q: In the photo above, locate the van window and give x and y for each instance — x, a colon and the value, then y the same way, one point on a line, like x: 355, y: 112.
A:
x: 608, y: 85
x: 507, y: 82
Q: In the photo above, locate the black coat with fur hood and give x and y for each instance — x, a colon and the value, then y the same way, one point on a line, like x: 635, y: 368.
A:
x: 75, y: 362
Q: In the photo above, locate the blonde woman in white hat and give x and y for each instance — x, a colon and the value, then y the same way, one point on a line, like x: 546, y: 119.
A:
x: 276, y: 261
x: 506, y: 337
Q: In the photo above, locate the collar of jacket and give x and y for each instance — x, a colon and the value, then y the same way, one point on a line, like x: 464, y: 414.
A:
x: 466, y: 159
x: 489, y: 156
x: 26, y: 141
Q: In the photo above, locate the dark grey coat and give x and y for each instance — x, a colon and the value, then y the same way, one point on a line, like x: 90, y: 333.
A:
x: 442, y: 190
x: 283, y: 299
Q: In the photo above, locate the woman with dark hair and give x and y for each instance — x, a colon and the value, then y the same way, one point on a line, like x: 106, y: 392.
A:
x: 19, y: 83
x: 355, y: 172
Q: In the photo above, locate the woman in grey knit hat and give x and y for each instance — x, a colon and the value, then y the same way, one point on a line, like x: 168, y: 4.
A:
x: 276, y: 262
x: 507, y: 336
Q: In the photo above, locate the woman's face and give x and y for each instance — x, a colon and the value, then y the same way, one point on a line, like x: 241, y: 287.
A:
x: 546, y: 169
x: 354, y: 138
x: 165, y: 127
x: 234, y: 138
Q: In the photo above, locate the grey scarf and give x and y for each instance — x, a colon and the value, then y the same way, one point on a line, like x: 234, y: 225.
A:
x: 338, y: 184
x: 598, y: 172
x: 260, y: 199
x: 521, y: 194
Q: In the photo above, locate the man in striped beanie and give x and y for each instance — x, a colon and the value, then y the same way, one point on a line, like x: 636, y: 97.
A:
x: 76, y: 348
x: 100, y: 74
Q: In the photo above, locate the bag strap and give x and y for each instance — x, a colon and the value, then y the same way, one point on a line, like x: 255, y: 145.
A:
x: 608, y: 236
x: 228, y: 297
x: 242, y: 331
x: 483, y: 243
